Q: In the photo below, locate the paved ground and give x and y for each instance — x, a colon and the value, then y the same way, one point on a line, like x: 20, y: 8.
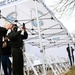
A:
x: 50, y: 73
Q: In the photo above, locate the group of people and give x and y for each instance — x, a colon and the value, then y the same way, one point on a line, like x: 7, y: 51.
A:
x: 12, y: 45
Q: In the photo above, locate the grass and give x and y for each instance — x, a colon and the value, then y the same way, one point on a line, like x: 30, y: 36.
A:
x: 71, y: 72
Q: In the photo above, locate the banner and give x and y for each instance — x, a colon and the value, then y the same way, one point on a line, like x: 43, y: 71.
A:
x: 6, y: 3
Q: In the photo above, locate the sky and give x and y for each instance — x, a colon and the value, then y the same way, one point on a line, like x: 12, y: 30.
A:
x: 68, y: 22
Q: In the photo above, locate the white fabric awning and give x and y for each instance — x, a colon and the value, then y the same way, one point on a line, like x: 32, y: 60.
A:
x: 53, y: 33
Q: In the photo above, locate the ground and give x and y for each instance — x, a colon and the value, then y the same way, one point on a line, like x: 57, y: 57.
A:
x: 71, y: 72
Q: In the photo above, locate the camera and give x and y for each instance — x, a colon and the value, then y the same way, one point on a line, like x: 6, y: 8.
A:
x: 15, y: 27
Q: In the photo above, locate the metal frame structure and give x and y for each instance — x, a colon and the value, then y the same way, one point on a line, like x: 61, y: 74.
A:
x: 44, y: 29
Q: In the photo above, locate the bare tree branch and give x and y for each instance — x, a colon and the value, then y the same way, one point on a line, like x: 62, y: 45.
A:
x: 65, y: 7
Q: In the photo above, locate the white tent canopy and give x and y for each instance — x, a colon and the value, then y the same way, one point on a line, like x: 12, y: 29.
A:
x: 53, y: 33
x: 39, y: 20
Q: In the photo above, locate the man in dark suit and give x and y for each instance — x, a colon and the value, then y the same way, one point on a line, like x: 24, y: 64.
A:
x: 6, y: 53
x: 16, y: 42
x: 3, y: 31
x: 70, y: 54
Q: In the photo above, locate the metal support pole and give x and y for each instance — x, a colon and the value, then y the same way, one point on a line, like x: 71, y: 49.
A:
x: 40, y: 40
x: 30, y: 63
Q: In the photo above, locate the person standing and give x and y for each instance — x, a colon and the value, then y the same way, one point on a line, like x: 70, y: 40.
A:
x: 3, y: 31
x: 70, y: 54
x: 16, y: 42
x: 6, y: 53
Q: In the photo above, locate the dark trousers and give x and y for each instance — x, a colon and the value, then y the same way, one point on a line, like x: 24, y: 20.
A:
x: 0, y: 57
x: 0, y: 62
x: 6, y: 64
x: 71, y: 59
x: 17, y: 61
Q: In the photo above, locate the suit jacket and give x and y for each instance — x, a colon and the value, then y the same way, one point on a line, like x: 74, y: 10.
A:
x: 16, y: 39
x: 3, y: 32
